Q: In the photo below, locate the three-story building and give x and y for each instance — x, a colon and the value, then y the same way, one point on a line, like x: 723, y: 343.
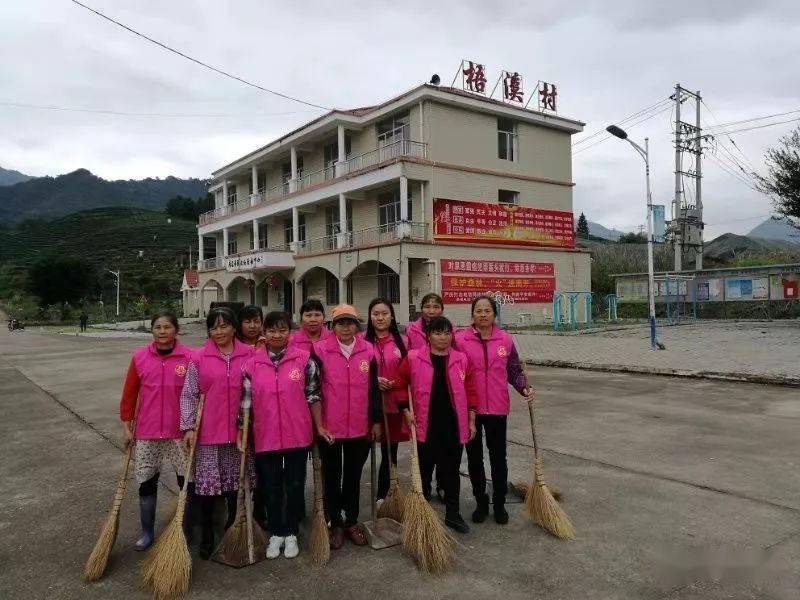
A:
x: 434, y: 190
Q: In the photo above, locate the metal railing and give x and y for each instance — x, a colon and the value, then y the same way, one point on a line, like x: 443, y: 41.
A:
x: 382, y: 234
x: 387, y: 151
x: 211, y: 264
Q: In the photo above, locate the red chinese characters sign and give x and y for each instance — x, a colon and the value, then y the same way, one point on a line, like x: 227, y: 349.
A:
x: 462, y: 280
x: 478, y: 222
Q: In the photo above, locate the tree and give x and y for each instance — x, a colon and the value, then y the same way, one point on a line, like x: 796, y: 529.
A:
x: 632, y: 238
x: 783, y: 175
x: 56, y: 279
x: 181, y: 207
x: 583, y: 227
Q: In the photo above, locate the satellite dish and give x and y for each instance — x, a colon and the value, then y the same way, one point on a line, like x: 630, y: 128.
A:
x: 435, y: 80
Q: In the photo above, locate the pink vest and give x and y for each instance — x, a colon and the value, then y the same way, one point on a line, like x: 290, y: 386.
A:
x: 489, y: 360
x: 388, y: 357
x: 161, y: 381
x: 345, y: 387
x: 281, y: 416
x: 416, y: 335
x: 222, y: 386
x: 299, y: 339
x: 421, y: 375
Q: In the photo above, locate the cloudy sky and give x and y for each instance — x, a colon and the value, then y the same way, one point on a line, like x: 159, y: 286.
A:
x: 610, y: 60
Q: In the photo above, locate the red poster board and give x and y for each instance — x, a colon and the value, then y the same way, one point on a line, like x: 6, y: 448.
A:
x: 462, y: 280
x: 482, y: 223
x: 491, y: 267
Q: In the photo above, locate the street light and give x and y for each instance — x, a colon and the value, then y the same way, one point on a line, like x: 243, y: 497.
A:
x: 117, y: 275
x: 645, y: 154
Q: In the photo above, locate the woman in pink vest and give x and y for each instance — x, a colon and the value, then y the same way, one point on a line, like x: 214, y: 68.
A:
x: 312, y: 326
x: 351, y: 416
x: 390, y: 350
x: 431, y: 306
x: 281, y: 383
x: 496, y: 363
x: 443, y: 394
x: 150, y: 410
x: 215, y: 371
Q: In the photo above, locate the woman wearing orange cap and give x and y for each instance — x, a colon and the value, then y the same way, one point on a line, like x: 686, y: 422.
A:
x: 351, y: 417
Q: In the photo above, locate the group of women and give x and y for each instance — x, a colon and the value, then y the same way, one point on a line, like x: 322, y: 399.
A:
x: 334, y: 387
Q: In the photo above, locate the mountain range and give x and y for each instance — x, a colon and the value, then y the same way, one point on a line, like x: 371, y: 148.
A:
x: 10, y: 177
x: 50, y: 197
x: 777, y: 228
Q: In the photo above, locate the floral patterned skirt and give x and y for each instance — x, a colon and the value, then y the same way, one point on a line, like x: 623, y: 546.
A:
x: 216, y: 469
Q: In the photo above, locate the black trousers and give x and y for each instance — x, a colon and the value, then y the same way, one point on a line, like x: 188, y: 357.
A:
x: 446, y: 457
x: 342, y: 463
x: 383, y: 472
x: 278, y: 473
x: 495, y: 428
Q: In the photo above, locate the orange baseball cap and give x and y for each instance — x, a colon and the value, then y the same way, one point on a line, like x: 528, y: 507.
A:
x: 344, y: 311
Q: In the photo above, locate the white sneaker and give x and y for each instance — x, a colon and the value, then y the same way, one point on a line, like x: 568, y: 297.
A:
x: 274, y: 548
x: 291, y: 550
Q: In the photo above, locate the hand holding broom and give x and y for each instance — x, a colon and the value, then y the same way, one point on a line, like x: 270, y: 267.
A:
x: 540, y: 504
x: 424, y: 536
x: 167, y: 569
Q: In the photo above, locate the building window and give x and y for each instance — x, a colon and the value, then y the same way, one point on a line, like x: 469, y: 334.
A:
x: 388, y: 284
x: 349, y: 290
x: 287, y: 230
x: 231, y: 194
x: 233, y: 246
x: 263, y: 240
x: 332, y: 226
x: 331, y: 155
x: 397, y: 127
x: 331, y: 289
x: 286, y: 170
x: 389, y: 208
x: 506, y: 139
x: 507, y: 197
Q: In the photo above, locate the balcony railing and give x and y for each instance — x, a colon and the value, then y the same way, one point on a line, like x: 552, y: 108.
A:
x: 382, y: 234
x: 211, y: 264
x: 388, y: 151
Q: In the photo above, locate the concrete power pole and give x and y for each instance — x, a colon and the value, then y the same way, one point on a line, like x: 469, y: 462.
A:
x: 677, y: 221
x: 698, y: 173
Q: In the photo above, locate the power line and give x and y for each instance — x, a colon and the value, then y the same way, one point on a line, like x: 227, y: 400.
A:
x: 138, y: 114
x: 728, y: 124
x: 629, y: 126
x: 763, y: 126
x: 196, y: 61
x: 622, y: 122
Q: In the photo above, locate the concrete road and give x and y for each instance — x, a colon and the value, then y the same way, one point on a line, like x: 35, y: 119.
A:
x: 678, y: 489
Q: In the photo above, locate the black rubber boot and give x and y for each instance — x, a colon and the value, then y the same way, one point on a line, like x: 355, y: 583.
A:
x: 500, y: 513
x: 482, y: 510
x: 147, y: 516
x: 188, y: 514
x: 230, y: 502
x: 207, y: 526
x: 456, y: 522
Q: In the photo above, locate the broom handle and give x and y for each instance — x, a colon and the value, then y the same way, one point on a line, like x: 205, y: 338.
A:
x: 122, y: 483
x: 372, y: 473
x: 416, y: 478
x: 392, y: 468
x: 190, y: 462
x: 244, y: 488
x: 533, y: 418
x: 316, y: 461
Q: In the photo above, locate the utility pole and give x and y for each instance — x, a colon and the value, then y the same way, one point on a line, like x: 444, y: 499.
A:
x: 116, y: 274
x: 698, y: 172
x: 677, y: 221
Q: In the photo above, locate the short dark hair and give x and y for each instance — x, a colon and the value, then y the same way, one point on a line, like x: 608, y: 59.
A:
x: 221, y: 312
x: 311, y: 304
x: 439, y: 325
x: 431, y: 297
x: 165, y: 314
x: 250, y: 311
x: 277, y: 317
x: 484, y: 297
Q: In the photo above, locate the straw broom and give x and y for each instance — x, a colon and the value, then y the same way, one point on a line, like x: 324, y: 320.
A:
x: 424, y: 536
x: 540, y: 504
x: 318, y: 542
x: 98, y: 559
x: 394, y: 504
x: 167, y: 568
x: 238, y: 545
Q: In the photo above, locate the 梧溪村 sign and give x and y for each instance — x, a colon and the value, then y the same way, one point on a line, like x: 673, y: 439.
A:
x: 482, y: 223
x: 525, y: 282
x: 449, y: 265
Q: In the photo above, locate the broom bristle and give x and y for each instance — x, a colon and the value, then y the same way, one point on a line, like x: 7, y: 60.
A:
x: 394, y: 505
x: 233, y: 547
x: 318, y: 542
x: 523, y: 487
x: 424, y: 536
x: 98, y: 559
x: 544, y: 510
x: 167, y: 568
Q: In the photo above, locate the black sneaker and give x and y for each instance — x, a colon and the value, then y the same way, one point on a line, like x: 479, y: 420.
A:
x: 457, y: 523
x: 500, y: 514
x: 481, y: 512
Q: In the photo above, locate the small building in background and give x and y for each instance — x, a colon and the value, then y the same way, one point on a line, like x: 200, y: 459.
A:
x: 190, y: 291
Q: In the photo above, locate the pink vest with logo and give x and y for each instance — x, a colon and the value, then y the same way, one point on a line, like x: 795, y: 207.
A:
x: 222, y: 386
x: 489, y: 360
x: 281, y: 416
x: 388, y: 357
x: 416, y: 335
x: 299, y: 339
x: 421, y: 375
x: 345, y: 387
x: 161, y: 381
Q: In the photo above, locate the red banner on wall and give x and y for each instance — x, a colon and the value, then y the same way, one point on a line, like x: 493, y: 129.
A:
x: 495, y: 266
x: 479, y: 222
x: 462, y: 289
